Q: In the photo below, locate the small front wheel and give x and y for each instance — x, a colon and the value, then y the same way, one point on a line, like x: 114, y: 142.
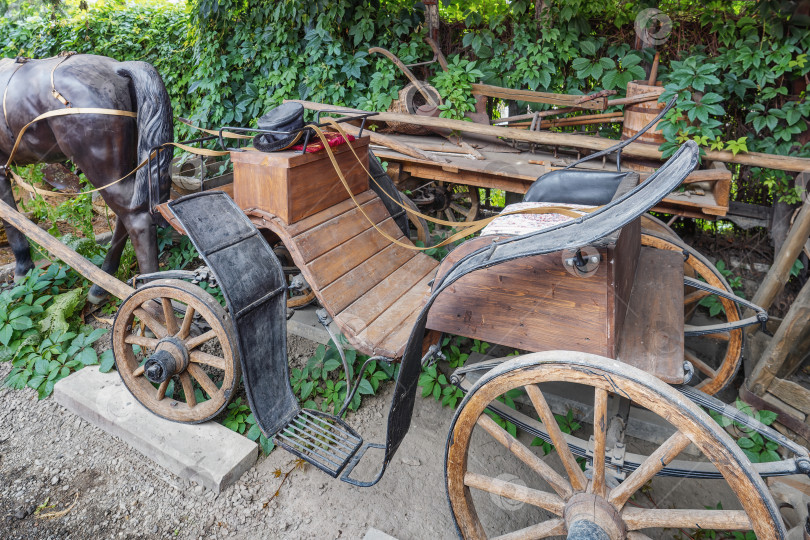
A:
x: 176, y: 351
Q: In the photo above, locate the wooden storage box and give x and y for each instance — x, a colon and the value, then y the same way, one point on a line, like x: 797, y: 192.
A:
x: 292, y: 185
x: 535, y: 304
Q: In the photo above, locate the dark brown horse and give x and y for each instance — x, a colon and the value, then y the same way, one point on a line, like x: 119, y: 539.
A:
x: 104, y: 147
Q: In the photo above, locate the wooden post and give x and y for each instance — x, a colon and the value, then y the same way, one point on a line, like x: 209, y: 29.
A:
x: 779, y: 273
x: 432, y: 18
x: 788, y: 335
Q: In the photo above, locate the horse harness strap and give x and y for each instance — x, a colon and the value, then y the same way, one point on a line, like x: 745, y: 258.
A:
x: 19, y: 61
x: 54, y: 92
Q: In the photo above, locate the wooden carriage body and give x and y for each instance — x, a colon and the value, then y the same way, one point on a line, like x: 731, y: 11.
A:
x: 359, y: 265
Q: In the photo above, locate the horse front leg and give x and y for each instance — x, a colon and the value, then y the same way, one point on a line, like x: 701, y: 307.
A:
x: 143, y: 233
x: 97, y: 293
x: 16, y: 239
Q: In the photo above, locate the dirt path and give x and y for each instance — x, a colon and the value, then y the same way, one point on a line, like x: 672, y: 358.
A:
x: 47, y: 456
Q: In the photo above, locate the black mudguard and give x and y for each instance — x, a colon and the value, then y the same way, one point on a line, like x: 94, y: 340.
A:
x: 252, y: 281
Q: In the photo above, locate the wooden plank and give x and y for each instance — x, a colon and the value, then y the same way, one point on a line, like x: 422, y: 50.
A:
x: 333, y: 264
x: 531, y: 303
x: 394, y: 343
x: 318, y: 240
x: 392, y: 318
x: 330, y: 213
x: 531, y: 96
x: 754, y: 159
x: 791, y: 393
x: 652, y: 338
x: 350, y: 286
x: 365, y: 310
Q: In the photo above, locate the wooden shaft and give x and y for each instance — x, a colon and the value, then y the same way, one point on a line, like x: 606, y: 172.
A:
x: 390, y: 142
x: 61, y: 251
x: 779, y: 274
x: 420, y: 86
x: 789, y: 333
x: 755, y: 159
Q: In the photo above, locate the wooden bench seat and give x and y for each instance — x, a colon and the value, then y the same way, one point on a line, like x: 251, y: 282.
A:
x: 372, y: 287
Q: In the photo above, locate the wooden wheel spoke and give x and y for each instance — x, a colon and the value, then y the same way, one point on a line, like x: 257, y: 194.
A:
x: 552, y: 527
x: 142, y: 341
x: 635, y: 535
x: 138, y: 371
x: 202, y: 377
x: 169, y: 316
x: 188, y: 390
x: 200, y: 357
x: 725, y: 520
x: 554, y: 479
x: 695, y: 296
x: 656, y: 461
x: 575, y: 474
x: 151, y: 323
x: 188, y: 318
x: 699, y: 364
x: 196, y: 341
x: 600, y: 401
x: 541, y: 499
x: 161, y: 391
x: 720, y: 336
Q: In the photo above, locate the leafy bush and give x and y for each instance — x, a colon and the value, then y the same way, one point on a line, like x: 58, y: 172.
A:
x: 40, y: 332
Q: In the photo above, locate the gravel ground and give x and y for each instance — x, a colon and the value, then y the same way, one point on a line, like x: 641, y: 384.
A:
x: 52, y: 462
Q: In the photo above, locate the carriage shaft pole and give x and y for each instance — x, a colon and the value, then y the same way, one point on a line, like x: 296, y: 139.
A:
x: 58, y: 249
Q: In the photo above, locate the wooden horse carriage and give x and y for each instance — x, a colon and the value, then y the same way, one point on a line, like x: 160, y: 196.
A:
x: 601, y: 304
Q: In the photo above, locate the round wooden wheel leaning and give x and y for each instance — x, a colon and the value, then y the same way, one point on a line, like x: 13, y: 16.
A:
x: 716, y: 373
x: 464, y: 203
x: 149, y: 330
x: 419, y: 227
x: 570, y: 502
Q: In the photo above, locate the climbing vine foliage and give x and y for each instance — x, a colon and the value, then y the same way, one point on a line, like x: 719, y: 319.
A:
x: 738, y: 69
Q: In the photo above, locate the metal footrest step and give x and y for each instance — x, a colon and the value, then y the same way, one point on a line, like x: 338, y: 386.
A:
x: 321, y: 439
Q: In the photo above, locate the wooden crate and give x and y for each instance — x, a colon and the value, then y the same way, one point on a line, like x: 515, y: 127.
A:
x: 292, y: 185
x: 535, y: 304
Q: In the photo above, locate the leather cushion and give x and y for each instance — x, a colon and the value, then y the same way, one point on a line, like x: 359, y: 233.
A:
x: 573, y: 186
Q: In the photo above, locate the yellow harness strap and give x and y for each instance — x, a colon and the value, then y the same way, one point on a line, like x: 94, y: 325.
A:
x: 469, y: 228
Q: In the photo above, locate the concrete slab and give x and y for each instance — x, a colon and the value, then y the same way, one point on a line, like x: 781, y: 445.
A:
x: 375, y: 534
x: 209, y: 454
x: 304, y: 323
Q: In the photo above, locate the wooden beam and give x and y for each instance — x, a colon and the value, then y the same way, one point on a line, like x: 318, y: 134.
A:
x: 59, y: 250
x: 754, y: 159
x: 565, y: 100
x: 788, y: 334
x: 779, y: 274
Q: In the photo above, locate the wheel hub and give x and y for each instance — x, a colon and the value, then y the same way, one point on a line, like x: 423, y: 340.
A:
x: 169, y: 359
x: 590, y: 516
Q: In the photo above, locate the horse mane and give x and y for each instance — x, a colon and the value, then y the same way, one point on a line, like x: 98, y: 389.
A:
x: 155, y: 127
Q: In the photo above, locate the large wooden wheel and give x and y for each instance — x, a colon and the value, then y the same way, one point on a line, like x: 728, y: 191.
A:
x: 419, y: 227
x: 716, y: 357
x: 463, y: 204
x: 570, y: 502
x: 179, y: 336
